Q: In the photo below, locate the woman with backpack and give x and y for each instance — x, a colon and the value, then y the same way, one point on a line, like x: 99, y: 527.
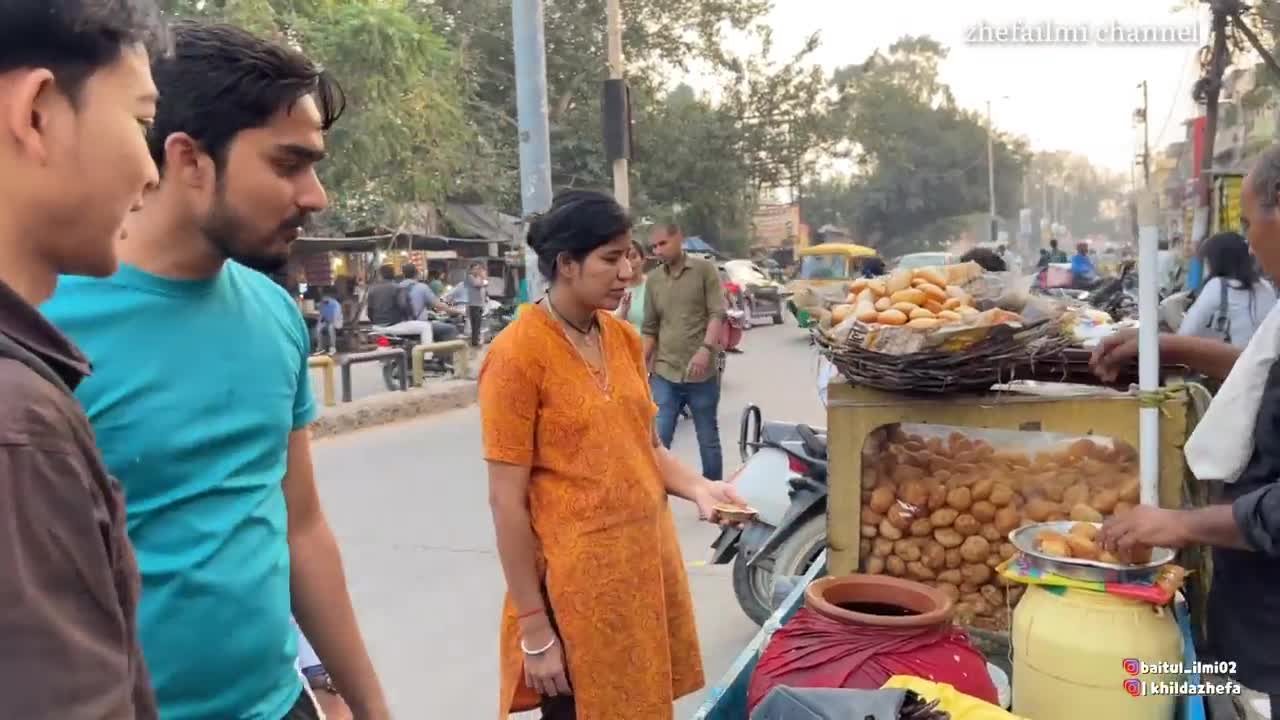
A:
x: 1235, y: 298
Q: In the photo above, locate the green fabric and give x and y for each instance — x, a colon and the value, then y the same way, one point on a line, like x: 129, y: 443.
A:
x: 635, y: 313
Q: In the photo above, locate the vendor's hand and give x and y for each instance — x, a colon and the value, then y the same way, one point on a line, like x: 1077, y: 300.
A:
x: 1113, y: 354
x: 1143, y: 525
x: 699, y: 366
x: 712, y: 493
x: 545, y: 674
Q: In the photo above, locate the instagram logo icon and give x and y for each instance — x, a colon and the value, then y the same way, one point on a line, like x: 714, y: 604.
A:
x: 1133, y: 686
x: 1131, y: 666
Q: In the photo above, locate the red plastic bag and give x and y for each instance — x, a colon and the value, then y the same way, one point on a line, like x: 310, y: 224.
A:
x: 811, y: 651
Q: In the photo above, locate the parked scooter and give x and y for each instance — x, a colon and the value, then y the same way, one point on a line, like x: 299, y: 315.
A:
x: 784, y: 477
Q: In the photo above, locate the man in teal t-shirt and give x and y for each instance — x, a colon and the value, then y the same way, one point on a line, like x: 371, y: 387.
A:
x: 200, y: 397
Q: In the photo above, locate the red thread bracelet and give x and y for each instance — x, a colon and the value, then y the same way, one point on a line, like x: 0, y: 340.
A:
x: 530, y: 614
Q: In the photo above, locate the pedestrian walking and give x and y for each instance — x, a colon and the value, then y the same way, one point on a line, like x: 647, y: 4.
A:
x: 201, y: 398
x: 598, y: 622
x: 75, y: 93
x: 477, y: 283
x: 683, y: 326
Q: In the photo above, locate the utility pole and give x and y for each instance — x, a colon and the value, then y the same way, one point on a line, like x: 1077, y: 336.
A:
x: 991, y: 174
x: 1146, y: 138
x: 621, y: 179
x: 1211, y: 86
x: 534, y: 127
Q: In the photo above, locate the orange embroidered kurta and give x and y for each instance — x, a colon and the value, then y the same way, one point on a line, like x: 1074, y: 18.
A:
x: 615, y: 577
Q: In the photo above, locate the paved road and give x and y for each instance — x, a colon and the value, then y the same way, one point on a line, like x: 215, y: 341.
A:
x: 408, y: 503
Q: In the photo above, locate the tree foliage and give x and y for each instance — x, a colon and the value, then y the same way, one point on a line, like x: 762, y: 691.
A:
x: 920, y: 158
x: 406, y: 137
x: 432, y: 116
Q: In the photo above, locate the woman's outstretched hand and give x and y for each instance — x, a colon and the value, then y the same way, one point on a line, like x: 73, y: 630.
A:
x: 713, y: 493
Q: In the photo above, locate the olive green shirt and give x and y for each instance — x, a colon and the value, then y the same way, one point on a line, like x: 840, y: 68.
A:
x: 678, y: 307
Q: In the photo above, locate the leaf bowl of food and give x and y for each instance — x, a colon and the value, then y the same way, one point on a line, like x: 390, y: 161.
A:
x: 1070, y: 549
x: 736, y: 513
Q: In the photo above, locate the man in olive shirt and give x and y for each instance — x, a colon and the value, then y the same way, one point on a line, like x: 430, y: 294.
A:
x: 684, y: 314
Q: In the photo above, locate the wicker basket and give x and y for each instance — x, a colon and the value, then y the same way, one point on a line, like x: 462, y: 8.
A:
x: 1007, y: 353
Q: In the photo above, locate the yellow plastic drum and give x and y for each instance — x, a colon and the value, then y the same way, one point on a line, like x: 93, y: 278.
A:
x: 1069, y: 649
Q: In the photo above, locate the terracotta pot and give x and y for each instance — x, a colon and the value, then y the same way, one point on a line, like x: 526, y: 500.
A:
x: 927, y: 605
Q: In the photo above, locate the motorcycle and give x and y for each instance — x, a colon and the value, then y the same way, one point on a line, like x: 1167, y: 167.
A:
x: 435, y: 365
x: 784, y: 477
x: 498, y: 316
x: 1118, y: 297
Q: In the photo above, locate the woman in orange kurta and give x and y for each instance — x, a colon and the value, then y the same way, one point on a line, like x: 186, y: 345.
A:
x: 598, y: 622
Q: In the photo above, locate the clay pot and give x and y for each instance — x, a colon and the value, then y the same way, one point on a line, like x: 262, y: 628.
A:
x: 926, y: 605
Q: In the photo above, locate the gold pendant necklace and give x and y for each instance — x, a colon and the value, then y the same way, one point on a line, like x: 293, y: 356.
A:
x: 600, y: 376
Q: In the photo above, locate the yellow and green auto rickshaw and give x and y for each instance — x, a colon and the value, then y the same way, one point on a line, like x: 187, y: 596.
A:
x: 824, y: 267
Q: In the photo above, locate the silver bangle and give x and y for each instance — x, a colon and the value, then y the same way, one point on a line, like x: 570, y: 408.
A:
x: 542, y: 651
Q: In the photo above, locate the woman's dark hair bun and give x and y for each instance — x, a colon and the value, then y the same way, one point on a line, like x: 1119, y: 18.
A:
x: 578, y: 222
x: 537, y: 235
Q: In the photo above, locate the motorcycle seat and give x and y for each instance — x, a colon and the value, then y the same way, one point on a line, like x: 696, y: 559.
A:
x: 778, y: 432
x: 814, y: 443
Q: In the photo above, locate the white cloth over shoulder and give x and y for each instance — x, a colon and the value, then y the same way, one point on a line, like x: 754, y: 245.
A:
x: 1222, y: 443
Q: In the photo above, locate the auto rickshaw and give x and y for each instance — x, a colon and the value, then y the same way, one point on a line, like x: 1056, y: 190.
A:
x: 823, y: 266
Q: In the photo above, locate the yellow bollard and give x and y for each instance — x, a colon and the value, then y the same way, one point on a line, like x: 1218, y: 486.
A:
x: 326, y: 365
x: 456, y: 348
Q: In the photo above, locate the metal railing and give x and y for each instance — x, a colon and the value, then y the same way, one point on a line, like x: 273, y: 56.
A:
x: 394, y: 354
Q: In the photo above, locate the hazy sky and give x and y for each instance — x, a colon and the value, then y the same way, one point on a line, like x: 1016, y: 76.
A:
x: 1077, y: 94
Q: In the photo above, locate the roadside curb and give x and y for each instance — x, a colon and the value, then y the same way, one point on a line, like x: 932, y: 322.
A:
x: 393, y: 407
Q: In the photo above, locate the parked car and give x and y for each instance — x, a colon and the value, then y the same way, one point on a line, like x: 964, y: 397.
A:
x: 762, y: 296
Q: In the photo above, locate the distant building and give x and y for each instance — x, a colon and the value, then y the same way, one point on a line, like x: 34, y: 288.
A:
x: 778, y: 230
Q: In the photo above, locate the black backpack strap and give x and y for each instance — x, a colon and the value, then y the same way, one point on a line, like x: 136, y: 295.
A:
x: 12, y: 350
x: 1222, y: 323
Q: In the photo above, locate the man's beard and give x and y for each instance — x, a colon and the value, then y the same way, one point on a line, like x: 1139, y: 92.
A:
x: 231, y: 237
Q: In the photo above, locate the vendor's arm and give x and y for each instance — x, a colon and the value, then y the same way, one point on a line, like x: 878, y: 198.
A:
x: 1255, y: 520
x: 1213, y: 358
x: 1216, y: 526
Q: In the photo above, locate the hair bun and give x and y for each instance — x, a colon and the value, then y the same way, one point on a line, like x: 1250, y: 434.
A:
x: 536, y: 237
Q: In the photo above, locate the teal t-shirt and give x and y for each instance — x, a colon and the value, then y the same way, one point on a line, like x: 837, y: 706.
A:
x: 196, y: 387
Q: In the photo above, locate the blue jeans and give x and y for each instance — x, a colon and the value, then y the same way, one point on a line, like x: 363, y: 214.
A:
x: 703, y: 399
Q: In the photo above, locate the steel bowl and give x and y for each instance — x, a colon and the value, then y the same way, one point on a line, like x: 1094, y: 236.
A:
x: 1092, y: 570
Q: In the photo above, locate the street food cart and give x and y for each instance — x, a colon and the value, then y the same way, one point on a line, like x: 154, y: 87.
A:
x: 915, y: 464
